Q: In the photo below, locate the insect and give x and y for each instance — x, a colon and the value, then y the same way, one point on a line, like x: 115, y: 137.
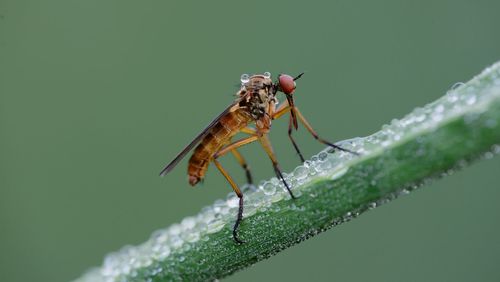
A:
x: 256, y: 103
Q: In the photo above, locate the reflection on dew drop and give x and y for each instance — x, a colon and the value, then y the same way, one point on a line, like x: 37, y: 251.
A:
x: 471, y: 99
x: 267, y: 74
x: 457, y: 85
x: 244, y: 78
x: 337, y: 174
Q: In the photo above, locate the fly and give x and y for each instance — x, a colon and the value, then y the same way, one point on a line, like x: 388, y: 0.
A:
x: 256, y: 105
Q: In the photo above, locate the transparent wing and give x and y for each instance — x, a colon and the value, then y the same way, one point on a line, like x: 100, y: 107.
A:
x: 196, y: 140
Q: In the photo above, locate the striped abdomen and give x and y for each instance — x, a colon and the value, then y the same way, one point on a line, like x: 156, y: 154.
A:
x: 220, y: 135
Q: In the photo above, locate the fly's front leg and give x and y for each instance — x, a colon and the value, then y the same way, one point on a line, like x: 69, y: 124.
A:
x: 229, y: 179
x: 290, y: 130
x: 283, y: 109
x: 315, y: 135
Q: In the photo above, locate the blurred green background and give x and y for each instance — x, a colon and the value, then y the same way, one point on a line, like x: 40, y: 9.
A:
x: 96, y: 96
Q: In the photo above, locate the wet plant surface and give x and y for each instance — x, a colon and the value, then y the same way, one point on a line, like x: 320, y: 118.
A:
x: 332, y: 187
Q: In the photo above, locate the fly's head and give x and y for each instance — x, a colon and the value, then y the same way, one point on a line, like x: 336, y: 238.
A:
x: 287, y: 85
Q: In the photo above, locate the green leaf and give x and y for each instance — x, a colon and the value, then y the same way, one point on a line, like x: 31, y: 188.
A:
x: 333, y: 187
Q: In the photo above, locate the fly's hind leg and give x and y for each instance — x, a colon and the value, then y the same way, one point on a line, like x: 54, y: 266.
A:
x: 237, y: 190
x: 229, y: 179
x: 241, y: 160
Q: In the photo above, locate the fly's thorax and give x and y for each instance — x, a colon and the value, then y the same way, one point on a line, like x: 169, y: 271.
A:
x: 259, y: 95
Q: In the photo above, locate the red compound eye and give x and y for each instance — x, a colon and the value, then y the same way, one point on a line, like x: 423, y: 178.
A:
x: 287, y: 83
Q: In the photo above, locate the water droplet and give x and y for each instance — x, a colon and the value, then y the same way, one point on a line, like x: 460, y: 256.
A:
x: 419, y: 115
x: 439, y: 109
x: 278, y: 197
x: 175, y: 229
x: 233, y: 202
x: 176, y: 241
x: 325, y: 166
x: 297, y: 193
x: 244, y: 78
x: 322, y: 156
x: 188, y: 223
x: 452, y: 96
x: 192, y: 237
x: 267, y: 74
x: 248, y: 188
x: 159, y: 236
x: 269, y: 188
x: 496, y: 149
x: 470, y: 99
x: 160, y: 252
x: 215, y: 226
x: 488, y: 155
x: 300, y: 173
x: 437, y: 116
x: 186, y: 247
x: 249, y: 210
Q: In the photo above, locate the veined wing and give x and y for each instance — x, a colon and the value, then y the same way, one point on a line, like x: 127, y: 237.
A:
x: 196, y: 140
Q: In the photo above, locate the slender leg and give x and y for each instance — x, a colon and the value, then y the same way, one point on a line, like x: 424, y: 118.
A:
x: 290, y: 129
x: 235, y: 145
x: 239, y: 157
x: 315, y: 135
x: 239, y: 194
x: 249, y: 130
x: 282, y: 109
x: 229, y: 148
x: 264, y: 140
x: 243, y: 164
